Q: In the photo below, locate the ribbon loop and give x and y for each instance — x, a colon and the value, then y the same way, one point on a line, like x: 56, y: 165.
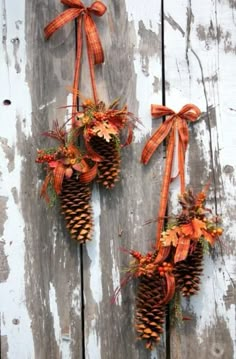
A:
x: 73, y: 3
x: 97, y: 8
x: 176, y: 122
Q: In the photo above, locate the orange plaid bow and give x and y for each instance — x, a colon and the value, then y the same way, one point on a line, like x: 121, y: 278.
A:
x: 94, y: 46
x: 176, y: 123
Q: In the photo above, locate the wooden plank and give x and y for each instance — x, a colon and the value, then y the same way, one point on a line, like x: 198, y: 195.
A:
x: 40, y: 277
x: 132, y: 71
x: 199, y: 59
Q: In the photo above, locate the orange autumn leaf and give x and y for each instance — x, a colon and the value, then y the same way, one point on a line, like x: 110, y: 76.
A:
x: 105, y: 129
x: 208, y: 237
x: 170, y: 237
x: 198, y: 225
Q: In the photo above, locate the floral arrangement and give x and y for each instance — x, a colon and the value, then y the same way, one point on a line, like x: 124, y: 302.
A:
x: 187, y: 237
x: 70, y: 170
x: 90, y: 149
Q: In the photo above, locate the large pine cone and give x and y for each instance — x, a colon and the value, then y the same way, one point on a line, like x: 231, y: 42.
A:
x: 109, y: 168
x: 76, y: 207
x: 150, y: 314
x: 187, y: 273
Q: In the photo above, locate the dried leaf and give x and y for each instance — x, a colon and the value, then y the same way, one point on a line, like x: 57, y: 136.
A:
x: 197, y: 225
x: 105, y: 129
x: 208, y: 237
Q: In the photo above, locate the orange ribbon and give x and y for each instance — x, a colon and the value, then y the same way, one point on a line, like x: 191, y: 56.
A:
x: 176, y: 124
x: 94, y: 46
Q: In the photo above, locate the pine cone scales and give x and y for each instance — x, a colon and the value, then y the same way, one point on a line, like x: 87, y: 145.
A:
x: 109, y: 168
x: 75, y: 205
x: 187, y: 273
x: 150, y: 314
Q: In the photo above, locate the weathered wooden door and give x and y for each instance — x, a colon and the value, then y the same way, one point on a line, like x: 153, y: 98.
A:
x: 54, y: 295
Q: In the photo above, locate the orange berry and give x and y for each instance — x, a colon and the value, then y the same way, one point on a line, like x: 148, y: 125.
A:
x: 162, y: 274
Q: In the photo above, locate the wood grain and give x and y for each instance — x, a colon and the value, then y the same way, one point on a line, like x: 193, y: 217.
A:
x: 121, y: 212
x: 52, y: 304
x: 41, y: 314
x: 199, y: 48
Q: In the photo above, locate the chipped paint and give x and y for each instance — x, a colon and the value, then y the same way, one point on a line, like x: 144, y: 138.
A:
x: 147, y: 64
x: 93, y: 250
x: 16, y: 324
x: 54, y: 312
x: 205, y: 81
x: 93, y: 346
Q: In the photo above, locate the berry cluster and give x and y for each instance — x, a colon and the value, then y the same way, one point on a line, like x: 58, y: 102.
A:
x: 44, y: 157
x: 145, y: 265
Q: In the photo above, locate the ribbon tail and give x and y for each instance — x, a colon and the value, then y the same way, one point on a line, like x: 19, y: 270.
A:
x: 165, y: 185
x: 182, y: 250
x: 170, y: 288
x: 155, y: 140
x: 163, y: 253
x: 181, y: 160
x: 77, y: 67
x: 94, y: 40
x: 89, y: 175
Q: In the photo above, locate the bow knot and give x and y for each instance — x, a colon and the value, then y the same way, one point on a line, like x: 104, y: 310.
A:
x: 175, y: 125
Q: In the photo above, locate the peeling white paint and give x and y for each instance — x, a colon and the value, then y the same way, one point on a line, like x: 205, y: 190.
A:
x: 54, y: 312
x: 93, y: 249
x: 144, y: 91
x: 17, y: 323
x: 76, y: 300
x: 42, y: 107
x: 63, y: 341
x: 93, y: 346
x: 209, y: 59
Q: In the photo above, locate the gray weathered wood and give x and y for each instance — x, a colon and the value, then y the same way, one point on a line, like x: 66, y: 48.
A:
x: 199, y: 59
x: 40, y: 295
x: 40, y: 269
x: 132, y: 62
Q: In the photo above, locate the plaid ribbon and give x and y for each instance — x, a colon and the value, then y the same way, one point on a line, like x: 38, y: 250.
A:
x: 77, y: 10
x: 175, y: 125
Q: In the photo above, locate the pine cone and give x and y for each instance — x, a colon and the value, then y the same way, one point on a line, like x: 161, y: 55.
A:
x: 187, y: 273
x: 75, y: 205
x: 150, y: 314
x: 109, y: 168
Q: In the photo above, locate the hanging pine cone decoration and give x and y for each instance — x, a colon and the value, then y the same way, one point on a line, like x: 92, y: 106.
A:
x: 75, y: 205
x: 150, y: 313
x: 68, y: 177
x: 156, y: 287
x: 109, y: 167
x: 187, y: 273
x: 192, y: 225
x: 101, y: 128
